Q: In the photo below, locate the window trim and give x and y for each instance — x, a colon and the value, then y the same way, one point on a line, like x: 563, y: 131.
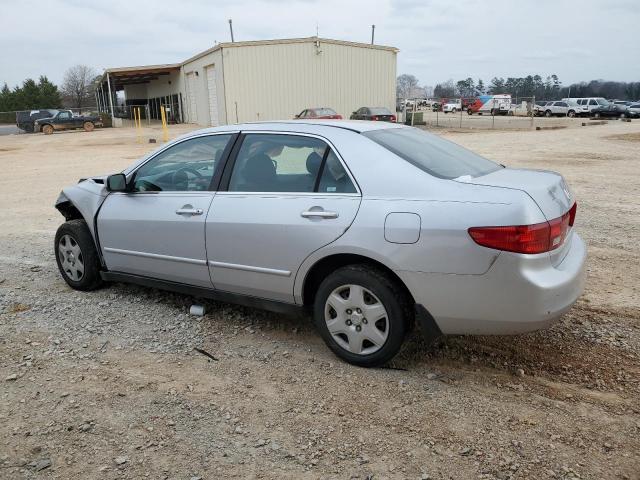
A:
x: 217, y: 174
x: 225, y: 179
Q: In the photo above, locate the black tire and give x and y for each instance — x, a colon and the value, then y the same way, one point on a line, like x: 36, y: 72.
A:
x: 596, y: 115
x: 394, y: 299
x: 548, y: 114
x: 79, y: 234
x: 571, y: 114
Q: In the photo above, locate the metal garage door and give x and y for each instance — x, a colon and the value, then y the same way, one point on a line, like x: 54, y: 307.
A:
x: 191, y: 93
x: 213, y: 96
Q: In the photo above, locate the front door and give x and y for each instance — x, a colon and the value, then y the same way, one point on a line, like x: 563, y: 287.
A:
x: 286, y: 196
x: 63, y: 121
x: 158, y: 229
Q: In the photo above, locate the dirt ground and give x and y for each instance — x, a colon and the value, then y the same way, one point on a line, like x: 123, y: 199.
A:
x: 107, y: 384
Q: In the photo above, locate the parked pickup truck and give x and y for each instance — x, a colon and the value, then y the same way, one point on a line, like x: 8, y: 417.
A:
x: 65, y: 120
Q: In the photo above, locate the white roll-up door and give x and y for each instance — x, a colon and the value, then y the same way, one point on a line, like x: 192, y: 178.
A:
x: 213, y: 95
x: 191, y: 93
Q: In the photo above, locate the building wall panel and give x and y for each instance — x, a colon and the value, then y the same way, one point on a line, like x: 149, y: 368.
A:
x: 277, y: 81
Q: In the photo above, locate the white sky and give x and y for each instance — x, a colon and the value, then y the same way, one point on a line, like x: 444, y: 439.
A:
x: 438, y: 39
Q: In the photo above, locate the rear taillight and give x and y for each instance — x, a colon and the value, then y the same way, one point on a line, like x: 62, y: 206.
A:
x: 537, y: 238
x: 393, y: 118
x: 374, y: 118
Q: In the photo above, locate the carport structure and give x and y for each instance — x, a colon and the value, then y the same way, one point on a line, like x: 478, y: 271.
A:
x: 150, y: 86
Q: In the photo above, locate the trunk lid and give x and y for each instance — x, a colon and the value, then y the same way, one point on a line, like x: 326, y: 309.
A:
x: 548, y: 189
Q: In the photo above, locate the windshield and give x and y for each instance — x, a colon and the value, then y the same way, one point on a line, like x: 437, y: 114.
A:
x: 432, y: 154
x: 602, y: 101
x: 379, y: 111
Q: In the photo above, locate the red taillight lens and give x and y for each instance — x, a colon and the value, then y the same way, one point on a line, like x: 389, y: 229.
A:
x: 537, y: 238
x: 393, y: 118
x: 374, y: 118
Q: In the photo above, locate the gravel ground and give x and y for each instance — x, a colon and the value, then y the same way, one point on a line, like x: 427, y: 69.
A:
x: 108, y: 384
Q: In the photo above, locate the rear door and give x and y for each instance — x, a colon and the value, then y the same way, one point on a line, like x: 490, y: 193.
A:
x: 157, y: 230
x: 282, y: 197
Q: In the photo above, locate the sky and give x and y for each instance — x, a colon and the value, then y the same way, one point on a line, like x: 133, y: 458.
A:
x: 438, y: 39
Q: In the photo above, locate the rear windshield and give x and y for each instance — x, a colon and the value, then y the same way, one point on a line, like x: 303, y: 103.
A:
x: 324, y: 111
x: 432, y: 154
x: 379, y: 111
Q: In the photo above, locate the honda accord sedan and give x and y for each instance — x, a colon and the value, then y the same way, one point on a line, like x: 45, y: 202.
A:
x: 373, y: 228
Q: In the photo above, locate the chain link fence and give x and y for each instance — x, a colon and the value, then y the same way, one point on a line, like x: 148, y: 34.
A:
x: 521, y: 113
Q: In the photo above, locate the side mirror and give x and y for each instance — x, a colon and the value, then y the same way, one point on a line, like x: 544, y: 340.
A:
x: 117, y: 182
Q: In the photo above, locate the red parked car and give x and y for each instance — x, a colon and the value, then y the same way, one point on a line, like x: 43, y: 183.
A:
x: 319, y: 114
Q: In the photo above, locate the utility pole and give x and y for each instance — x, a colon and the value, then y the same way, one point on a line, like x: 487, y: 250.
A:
x: 373, y: 32
x: 231, y: 29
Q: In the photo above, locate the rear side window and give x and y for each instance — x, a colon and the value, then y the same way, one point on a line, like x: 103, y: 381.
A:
x: 288, y: 163
x: 432, y: 154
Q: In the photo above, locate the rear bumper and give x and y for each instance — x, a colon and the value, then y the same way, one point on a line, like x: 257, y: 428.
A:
x: 519, y: 293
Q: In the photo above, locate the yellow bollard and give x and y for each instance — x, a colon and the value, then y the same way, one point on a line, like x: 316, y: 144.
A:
x: 165, y: 130
x: 138, y: 123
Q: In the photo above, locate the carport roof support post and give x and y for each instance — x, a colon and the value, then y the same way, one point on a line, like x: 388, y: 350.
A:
x: 110, y: 96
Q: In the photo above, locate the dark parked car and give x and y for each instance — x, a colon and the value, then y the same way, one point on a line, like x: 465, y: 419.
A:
x: 612, y: 110
x: 381, y: 114
x: 65, y: 120
x: 25, y: 120
x: 320, y: 114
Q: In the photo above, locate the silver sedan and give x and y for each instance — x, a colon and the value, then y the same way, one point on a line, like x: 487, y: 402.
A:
x: 371, y: 227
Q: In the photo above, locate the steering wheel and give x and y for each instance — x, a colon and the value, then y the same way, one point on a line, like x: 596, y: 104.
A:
x: 180, y: 176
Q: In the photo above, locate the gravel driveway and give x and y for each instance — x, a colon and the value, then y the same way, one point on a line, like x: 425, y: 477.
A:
x: 109, y: 384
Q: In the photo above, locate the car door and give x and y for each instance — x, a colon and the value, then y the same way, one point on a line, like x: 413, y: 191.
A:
x: 157, y: 228
x: 62, y: 121
x: 282, y: 197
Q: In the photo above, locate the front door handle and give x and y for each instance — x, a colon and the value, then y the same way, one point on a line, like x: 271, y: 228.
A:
x: 189, y: 210
x: 319, y: 214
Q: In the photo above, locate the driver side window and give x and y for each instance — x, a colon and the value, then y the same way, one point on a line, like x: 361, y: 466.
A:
x: 185, y: 167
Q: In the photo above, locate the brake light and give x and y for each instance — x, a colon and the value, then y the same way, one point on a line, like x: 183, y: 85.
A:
x: 393, y: 118
x: 538, y: 238
x: 374, y: 118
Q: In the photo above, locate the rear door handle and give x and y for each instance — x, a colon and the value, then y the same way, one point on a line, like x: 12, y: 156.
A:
x: 189, y: 210
x: 319, y: 214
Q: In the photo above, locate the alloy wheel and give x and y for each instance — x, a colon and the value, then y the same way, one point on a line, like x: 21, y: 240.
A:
x: 71, y: 258
x: 356, y: 319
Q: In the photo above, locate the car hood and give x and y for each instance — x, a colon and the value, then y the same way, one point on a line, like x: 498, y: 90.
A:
x: 548, y: 189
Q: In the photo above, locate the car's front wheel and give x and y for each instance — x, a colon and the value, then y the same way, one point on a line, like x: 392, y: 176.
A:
x: 76, y: 256
x: 362, y: 315
x: 47, y: 129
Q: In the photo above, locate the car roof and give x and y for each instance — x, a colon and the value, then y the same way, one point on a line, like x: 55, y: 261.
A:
x: 309, y: 125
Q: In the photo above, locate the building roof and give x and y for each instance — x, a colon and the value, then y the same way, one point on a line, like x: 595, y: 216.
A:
x: 141, y: 74
x: 281, y: 41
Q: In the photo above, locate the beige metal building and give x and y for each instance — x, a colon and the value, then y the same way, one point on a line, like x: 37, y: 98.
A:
x: 260, y: 80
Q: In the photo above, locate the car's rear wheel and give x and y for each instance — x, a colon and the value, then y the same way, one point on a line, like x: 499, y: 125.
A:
x: 76, y: 256
x: 88, y: 126
x: 571, y: 114
x: 362, y: 315
x: 47, y: 129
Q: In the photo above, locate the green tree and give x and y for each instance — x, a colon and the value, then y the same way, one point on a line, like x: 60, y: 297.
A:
x: 49, y: 96
x: 480, y: 87
x: 497, y: 85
